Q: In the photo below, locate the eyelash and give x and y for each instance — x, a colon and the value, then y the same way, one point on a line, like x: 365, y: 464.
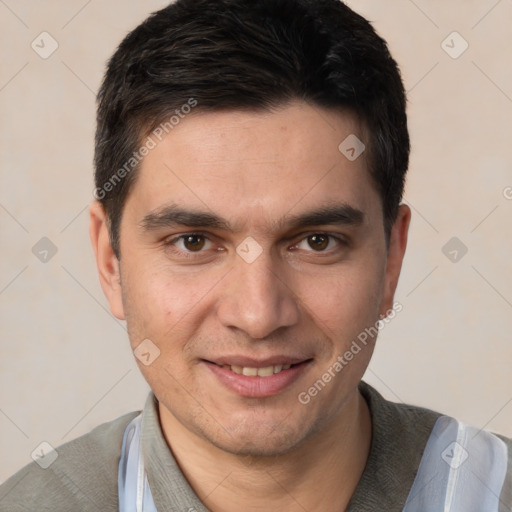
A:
x: 192, y: 254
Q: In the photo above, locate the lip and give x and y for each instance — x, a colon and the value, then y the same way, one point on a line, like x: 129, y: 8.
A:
x: 258, y: 387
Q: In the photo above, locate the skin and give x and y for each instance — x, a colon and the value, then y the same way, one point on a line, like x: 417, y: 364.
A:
x: 297, y: 298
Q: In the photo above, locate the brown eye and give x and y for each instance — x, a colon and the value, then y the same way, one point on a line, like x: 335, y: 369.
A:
x: 318, y: 242
x: 193, y: 243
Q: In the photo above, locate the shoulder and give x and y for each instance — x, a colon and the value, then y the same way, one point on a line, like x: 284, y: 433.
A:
x: 83, y: 475
x: 410, y: 423
x: 415, y: 445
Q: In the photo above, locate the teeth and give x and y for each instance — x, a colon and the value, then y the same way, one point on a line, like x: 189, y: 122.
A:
x: 267, y: 371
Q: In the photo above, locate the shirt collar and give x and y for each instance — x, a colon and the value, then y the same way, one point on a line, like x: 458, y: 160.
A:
x: 169, y: 487
x: 399, y: 435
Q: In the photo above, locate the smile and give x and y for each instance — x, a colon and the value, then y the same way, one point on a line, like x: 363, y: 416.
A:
x: 266, y: 371
x: 258, y: 379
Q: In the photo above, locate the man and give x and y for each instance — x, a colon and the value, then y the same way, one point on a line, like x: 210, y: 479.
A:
x: 250, y: 162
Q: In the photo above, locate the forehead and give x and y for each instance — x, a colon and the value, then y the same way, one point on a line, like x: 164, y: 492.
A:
x: 262, y: 163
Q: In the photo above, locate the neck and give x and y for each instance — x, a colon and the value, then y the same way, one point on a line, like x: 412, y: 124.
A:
x: 321, y: 474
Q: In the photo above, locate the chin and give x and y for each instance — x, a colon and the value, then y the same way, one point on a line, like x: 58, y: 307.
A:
x: 259, y: 448
x: 257, y: 440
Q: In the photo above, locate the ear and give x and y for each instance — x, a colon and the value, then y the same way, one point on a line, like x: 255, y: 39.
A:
x: 396, y: 251
x: 106, y: 260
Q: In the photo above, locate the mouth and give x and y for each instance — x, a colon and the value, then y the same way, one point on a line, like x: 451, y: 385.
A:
x: 265, y: 371
x: 254, y: 379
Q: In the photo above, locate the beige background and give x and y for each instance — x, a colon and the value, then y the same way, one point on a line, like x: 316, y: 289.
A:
x: 65, y: 363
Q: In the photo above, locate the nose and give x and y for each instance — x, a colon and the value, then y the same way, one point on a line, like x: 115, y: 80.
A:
x: 257, y: 299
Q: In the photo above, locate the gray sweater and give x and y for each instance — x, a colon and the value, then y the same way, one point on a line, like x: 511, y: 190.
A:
x: 84, y: 476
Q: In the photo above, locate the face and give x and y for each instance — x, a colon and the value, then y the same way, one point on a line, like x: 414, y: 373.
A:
x: 253, y: 254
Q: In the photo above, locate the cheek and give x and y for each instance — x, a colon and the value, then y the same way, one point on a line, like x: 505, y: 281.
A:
x: 160, y: 304
x: 162, y: 308
x: 348, y: 300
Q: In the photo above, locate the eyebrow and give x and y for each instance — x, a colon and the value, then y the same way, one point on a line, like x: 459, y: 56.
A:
x: 174, y: 215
